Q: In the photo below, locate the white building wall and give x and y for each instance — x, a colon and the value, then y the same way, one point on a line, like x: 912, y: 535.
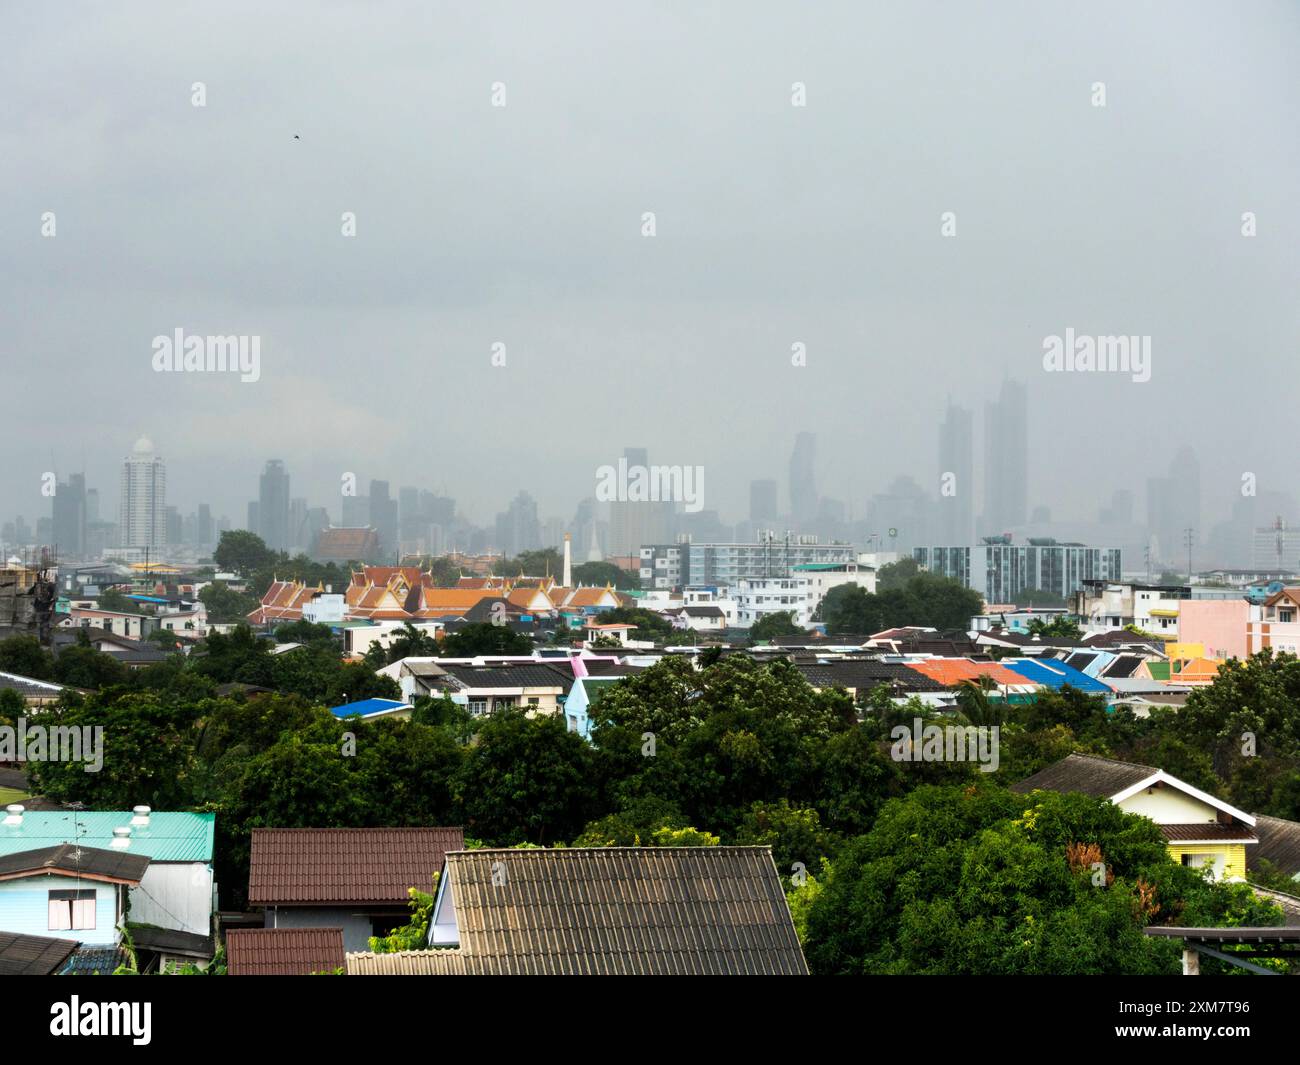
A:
x: 175, y: 895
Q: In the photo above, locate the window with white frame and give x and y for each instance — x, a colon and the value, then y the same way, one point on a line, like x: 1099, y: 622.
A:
x: 72, y: 910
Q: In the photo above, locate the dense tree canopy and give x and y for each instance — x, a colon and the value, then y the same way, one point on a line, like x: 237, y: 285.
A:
x: 924, y: 599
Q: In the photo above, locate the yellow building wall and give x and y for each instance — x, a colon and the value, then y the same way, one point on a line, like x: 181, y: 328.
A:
x: 1234, y: 867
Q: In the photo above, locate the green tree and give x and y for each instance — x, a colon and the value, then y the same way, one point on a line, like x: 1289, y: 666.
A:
x: 895, y: 575
x: 414, y: 935
x: 225, y: 606
x: 1061, y: 626
x: 485, y: 639
x: 242, y: 552
x: 796, y: 836
x: 238, y: 655
x: 80, y: 665
x: 25, y: 656
x: 147, y: 752
x: 354, y: 681
x: 412, y: 643
x: 977, y: 880
x: 772, y: 626
x: 112, y: 599
x: 598, y: 574
x: 646, y: 624
x: 526, y: 780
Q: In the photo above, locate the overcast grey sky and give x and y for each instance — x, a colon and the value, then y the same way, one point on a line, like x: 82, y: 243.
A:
x: 522, y: 224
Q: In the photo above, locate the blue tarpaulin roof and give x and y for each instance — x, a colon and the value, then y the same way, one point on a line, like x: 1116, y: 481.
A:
x: 1053, y: 674
x: 367, y: 707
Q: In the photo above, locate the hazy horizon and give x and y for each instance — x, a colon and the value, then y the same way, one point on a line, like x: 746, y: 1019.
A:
x: 522, y: 225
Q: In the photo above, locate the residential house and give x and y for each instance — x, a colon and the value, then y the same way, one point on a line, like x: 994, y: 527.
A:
x: 134, y: 626
x: 1202, y: 831
x: 177, y: 891
x: 1107, y: 605
x: 1275, y: 623
x: 703, y: 617
x: 604, y: 911
x: 356, y: 879
x: 70, y: 892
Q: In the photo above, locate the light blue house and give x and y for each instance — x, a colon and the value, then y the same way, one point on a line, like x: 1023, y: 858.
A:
x: 582, y: 698
x: 68, y: 892
x: 178, y: 889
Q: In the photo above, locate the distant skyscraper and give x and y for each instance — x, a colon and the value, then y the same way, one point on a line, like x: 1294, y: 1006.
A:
x: 175, y: 527
x: 299, y: 536
x: 356, y: 512
x: 254, y: 523
x: 518, y: 528
x: 273, y: 506
x: 1006, y: 460
x: 763, y: 504
x: 956, y: 507
x: 410, y: 519
x: 92, y: 505
x: 70, y: 517
x: 1174, y: 506
x: 142, y: 520
x: 383, y: 516
x: 803, y: 482
x: 206, y: 532
x: 636, y: 522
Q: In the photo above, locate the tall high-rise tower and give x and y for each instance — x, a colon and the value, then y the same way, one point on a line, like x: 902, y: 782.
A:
x: 956, y: 488
x: 273, y: 506
x: 1006, y: 460
x: 142, y: 520
x: 803, y: 483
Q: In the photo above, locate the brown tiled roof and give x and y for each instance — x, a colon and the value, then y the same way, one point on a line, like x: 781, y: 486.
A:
x: 610, y: 911
x: 283, y: 951
x: 1208, y: 831
x: 343, y: 866
x: 1086, y: 773
x: 22, y: 955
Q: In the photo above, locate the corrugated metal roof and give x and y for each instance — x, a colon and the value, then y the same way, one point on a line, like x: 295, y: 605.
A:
x: 1279, y: 843
x: 341, y: 866
x: 169, y: 837
x: 283, y: 951
x: 1099, y: 777
x: 611, y: 911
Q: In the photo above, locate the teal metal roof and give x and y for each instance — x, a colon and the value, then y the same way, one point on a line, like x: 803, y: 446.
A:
x: 169, y: 837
